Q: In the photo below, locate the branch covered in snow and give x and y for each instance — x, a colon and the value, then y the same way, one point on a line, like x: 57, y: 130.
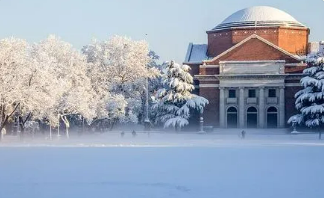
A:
x: 174, y: 101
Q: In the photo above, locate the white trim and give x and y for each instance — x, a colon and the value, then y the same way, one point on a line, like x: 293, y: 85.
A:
x: 209, y: 66
x: 295, y: 64
x: 256, y: 61
x: 248, y: 85
x: 246, y: 40
x: 209, y: 85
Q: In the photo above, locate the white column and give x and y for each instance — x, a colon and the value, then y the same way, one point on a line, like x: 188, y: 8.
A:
x: 241, y: 108
x: 261, y: 108
x: 282, y: 119
x: 222, y: 107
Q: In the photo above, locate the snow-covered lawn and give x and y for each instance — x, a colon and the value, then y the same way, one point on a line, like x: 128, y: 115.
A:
x: 164, y: 165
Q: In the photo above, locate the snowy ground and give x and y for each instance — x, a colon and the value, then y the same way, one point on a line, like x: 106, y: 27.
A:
x: 264, y: 165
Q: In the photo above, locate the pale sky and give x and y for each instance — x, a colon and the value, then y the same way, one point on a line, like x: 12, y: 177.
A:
x: 169, y: 24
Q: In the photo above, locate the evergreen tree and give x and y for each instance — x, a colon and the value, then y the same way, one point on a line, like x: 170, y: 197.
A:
x: 174, y: 100
x: 310, y: 100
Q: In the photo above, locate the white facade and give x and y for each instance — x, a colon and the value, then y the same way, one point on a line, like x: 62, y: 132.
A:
x: 255, y: 89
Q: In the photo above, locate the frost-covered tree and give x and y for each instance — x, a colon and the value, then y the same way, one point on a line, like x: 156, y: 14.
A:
x: 174, y: 101
x: 68, y: 86
x: 310, y: 100
x: 14, y: 75
x: 119, y: 68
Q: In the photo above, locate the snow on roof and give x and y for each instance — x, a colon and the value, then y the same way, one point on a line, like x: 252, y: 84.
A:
x: 259, y: 16
x: 196, y: 53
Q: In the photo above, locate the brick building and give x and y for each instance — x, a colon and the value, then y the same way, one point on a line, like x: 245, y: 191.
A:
x: 250, y: 69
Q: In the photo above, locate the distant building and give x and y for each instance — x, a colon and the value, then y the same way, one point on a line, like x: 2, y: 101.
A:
x: 251, y: 68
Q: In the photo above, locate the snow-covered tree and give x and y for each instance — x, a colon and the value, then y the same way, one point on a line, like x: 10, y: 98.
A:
x: 68, y: 86
x: 174, y: 101
x: 14, y: 75
x: 310, y: 100
x: 119, y: 68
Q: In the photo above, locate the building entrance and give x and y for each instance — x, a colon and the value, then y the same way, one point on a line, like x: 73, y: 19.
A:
x: 272, y: 117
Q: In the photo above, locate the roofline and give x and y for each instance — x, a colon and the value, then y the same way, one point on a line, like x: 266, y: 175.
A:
x: 247, y: 39
x: 256, y: 27
x: 188, y: 52
x: 254, y: 61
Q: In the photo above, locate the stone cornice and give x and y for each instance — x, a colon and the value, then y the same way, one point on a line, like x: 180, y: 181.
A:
x: 252, y: 76
x: 206, y: 77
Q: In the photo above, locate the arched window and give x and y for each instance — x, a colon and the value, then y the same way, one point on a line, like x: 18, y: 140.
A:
x: 252, y: 117
x: 252, y: 110
x: 232, y: 117
x: 272, y: 117
x: 232, y: 110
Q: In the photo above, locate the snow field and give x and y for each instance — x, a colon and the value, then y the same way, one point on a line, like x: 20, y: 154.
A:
x: 190, y: 166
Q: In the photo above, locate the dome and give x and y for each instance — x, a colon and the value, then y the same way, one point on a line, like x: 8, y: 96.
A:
x: 259, y: 16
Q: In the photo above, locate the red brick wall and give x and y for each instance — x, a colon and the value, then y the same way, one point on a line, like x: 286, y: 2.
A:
x: 208, y: 71
x: 294, y: 41
x: 194, y: 69
x: 211, y: 111
x: 219, y: 42
x: 294, y: 69
x: 253, y: 50
x: 270, y: 34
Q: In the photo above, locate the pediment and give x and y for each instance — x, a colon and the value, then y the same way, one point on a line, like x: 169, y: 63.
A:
x: 254, y: 48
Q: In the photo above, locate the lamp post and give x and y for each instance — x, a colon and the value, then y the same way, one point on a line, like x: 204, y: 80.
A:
x: 294, y: 124
x: 146, y: 119
x: 201, y: 123
x: 147, y: 123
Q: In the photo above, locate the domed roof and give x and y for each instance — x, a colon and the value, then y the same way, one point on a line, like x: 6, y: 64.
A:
x: 259, y: 16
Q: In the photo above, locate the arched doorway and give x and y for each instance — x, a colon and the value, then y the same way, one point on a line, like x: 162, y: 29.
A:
x: 272, y: 117
x: 252, y: 117
x: 232, y: 117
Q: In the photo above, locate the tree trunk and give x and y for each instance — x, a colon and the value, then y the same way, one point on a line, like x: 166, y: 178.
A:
x: 112, y: 125
x: 67, y: 126
x: 4, y: 118
x: 22, y: 132
x: 3, y: 123
x: 1, y: 134
x: 22, y: 123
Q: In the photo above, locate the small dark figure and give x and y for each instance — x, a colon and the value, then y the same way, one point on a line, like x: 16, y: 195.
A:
x: 134, y: 133
x: 243, y: 134
x: 122, y: 134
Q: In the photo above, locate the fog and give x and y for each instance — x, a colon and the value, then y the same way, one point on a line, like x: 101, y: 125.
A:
x: 136, y: 137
